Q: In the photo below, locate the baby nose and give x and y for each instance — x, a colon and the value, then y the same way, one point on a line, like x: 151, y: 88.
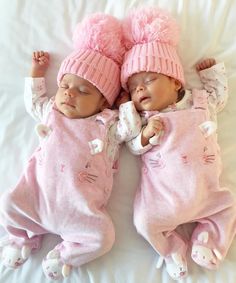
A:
x: 140, y: 87
x: 69, y: 92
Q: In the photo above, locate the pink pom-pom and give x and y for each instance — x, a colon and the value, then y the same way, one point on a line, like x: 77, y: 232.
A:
x: 150, y: 24
x: 101, y: 33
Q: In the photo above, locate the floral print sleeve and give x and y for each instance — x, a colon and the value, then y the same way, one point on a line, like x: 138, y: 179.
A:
x: 129, y: 123
x: 135, y: 146
x: 215, y: 83
x: 37, y: 104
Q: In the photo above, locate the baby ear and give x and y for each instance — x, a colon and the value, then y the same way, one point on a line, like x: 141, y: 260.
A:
x: 203, y: 237
x: 178, y: 85
x: 104, y: 104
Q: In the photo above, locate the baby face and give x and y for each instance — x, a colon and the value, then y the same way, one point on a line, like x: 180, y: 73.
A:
x: 152, y: 91
x: 78, y: 98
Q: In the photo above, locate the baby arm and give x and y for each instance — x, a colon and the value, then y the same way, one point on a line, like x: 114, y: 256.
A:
x: 149, y: 136
x: 129, y: 123
x: 205, y: 64
x: 37, y: 103
x: 213, y: 77
x: 40, y: 63
x: 153, y: 130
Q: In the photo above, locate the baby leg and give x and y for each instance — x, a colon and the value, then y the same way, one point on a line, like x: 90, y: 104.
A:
x: 175, y: 259
x: 87, y: 242
x: 170, y: 245
x: 13, y: 256
x: 24, y: 235
x: 14, y: 251
x: 176, y: 265
x: 212, y: 238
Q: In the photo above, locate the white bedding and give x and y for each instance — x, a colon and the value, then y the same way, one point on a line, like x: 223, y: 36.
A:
x: 208, y: 29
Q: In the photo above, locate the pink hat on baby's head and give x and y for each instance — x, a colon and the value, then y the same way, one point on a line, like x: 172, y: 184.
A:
x: 98, y: 54
x: 150, y: 37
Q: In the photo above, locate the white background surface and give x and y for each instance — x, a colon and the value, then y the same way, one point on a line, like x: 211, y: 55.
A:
x: 208, y: 29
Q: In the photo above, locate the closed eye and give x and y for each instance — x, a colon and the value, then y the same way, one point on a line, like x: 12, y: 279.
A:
x: 148, y: 81
x: 132, y: 89
x: 83, y: 92
x: 64, y: 86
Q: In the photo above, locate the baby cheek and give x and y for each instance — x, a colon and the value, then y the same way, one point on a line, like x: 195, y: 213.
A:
x: 134, y: 98
x: 58, y: 97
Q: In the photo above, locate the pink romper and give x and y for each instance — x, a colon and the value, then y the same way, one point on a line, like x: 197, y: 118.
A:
x: 65, y: 187
x: 180, y: 184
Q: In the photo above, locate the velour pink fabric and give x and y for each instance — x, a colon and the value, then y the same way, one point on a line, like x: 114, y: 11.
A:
x: 180, y: 184
x: 64, y: 190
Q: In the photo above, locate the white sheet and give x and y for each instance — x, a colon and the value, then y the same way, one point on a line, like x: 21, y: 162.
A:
x: 208, y: 29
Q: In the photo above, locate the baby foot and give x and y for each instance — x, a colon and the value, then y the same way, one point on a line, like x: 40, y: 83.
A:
x: 14, y: 257
x: 204, y: 256
x: 176, y: 266
x: 53, y: 267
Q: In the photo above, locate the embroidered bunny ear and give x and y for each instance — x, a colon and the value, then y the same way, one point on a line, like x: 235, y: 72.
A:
x: 203, y: 237
x: 208, y: 128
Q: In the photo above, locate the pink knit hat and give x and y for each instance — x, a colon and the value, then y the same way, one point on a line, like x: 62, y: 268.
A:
x: 151, y: 36
x: 98, y: 53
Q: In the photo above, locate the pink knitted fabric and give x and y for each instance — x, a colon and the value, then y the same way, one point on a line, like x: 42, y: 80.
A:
x: 98, y: 53
x: 151, y: 36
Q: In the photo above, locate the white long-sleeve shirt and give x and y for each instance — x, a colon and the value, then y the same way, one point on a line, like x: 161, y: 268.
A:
x: 39, y: 105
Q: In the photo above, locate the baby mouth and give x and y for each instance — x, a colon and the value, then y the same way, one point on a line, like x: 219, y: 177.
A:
x: 68, y: 104
x: 143, y: 99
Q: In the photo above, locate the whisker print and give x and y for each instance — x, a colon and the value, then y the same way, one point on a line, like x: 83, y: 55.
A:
x: 201, y: 108
x: 91, y: 177
x: 209, y: 158
x: 85, y: 176
x: 157, y: 163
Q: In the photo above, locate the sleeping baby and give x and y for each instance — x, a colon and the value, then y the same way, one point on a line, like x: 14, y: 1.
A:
x: 181, y: 162
x: 68, y: 180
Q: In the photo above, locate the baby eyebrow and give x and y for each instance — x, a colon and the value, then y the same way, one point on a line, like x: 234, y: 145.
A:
x: 132, y: 86
x: 142, y: 80
x: 151, y: 76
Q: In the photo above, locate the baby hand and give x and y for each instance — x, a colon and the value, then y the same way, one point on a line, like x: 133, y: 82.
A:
x: 40, y: 63
x: 153, y: 128
x: 205, y: 64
